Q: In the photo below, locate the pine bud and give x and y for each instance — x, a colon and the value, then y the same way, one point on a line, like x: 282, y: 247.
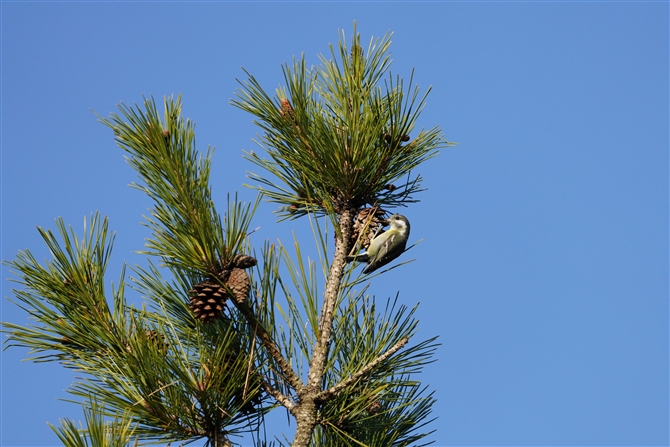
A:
x: 356, y: 51
x: 286, y: 109
x: 374, y: 408
x: 244, y: 261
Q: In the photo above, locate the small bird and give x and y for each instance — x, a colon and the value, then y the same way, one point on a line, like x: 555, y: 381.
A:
x: 385, y: 247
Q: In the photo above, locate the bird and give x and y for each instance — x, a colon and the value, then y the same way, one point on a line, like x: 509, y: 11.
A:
x: 385, y: 247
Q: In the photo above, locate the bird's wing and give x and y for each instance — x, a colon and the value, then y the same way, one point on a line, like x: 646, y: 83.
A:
x: 382, y: 253
x: 371, y: 252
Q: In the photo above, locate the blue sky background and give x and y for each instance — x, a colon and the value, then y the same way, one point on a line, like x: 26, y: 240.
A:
x: 544, y: 266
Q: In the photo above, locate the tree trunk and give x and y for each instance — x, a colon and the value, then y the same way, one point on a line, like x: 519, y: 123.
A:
x: 307, y: 408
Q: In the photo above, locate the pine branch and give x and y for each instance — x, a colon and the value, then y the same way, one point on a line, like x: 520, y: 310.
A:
x: 335, y: 138
x: 283, y: 400
x: 67, y: 296
x: 270, y: 345
x: 188, y: 233
x: 97, y: 433
x: 333, y: 391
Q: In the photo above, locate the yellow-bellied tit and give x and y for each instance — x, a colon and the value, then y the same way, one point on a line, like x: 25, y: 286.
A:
x: 385, y: 247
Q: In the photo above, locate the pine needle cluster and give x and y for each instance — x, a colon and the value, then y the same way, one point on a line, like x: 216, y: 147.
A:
x: 339, y: 135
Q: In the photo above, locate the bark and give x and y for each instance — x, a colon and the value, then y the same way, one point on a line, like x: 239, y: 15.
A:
x: 307, y: 408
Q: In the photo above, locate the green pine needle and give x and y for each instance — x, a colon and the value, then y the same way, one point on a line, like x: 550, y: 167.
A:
x: 337, y: 135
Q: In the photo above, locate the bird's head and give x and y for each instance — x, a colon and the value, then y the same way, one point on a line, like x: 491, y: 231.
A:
x: 399, y: 223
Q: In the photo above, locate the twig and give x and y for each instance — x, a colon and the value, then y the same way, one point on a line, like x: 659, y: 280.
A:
x: 271, y: 346
x: 333, y: 391
x: 284, y: 400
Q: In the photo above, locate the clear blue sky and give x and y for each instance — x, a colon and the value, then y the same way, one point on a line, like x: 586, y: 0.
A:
x: 544, y: 266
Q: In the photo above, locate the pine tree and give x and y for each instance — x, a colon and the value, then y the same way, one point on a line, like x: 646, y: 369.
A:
x: 222, y: 338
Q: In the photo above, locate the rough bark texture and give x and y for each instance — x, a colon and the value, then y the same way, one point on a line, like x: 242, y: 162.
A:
x: 307, y: 408
x: 311, y: 395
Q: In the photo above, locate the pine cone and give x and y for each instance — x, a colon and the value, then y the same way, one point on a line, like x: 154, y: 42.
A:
x: 224, y: 274
x: 367, y: 220
x: 207, y: 300
x: 239, y: 284
x: 244, y: 261
x: 388, y: 138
